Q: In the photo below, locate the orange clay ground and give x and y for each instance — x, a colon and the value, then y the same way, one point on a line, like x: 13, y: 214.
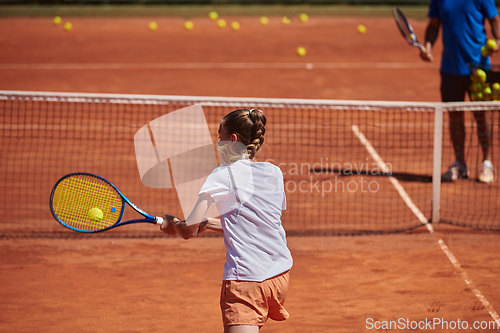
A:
x: 338, y: 284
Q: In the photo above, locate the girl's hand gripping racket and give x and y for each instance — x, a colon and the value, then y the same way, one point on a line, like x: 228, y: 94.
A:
x: 88, y: 203
x: 406, y: 28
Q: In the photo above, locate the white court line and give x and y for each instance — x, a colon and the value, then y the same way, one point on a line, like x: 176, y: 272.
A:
x: 421, y: 217
x: 469, y: 282
x: 402, y: 192
x: 217, y: 65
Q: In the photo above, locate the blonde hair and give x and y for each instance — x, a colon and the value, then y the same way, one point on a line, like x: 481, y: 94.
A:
x: 249, y: 126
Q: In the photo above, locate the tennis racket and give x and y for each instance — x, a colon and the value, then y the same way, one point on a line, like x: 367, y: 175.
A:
x: 406, y: 28
x: 88, y: 203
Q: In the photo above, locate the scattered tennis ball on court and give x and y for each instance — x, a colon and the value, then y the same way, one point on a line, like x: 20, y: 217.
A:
x: 235, y: 25
x: 68, y: 26
x: 213, y: 15
x: 57, y: 20
x: 152, y: 26
x: 361, y: 29
x: 221, y: 23
x: 495, y: 86
x: 95, y: 214
x: 304, y: 17
x: 189, y: 25
x: 301, y: 51
x: 264, y: 20
x: 286, y: 20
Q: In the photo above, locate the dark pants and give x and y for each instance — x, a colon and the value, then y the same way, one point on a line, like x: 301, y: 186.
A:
x: 453, y: 89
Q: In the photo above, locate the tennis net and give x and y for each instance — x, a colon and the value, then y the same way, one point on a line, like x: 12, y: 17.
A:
x: 350, y: 167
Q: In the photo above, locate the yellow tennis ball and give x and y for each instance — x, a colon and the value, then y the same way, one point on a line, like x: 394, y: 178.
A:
x: 221, y: 23
x: 213, y: 15
x: 286, y: 20
x: 491, y: 44
x: 95, y: 214
x: 304, y: 17
x: 264, y: 20
x: 57, y: 20
x: 484, y: 51
x: 361, y: 29
x: 235, y: 25
x: 152, y: 25
x: 481, y: 75
x: 495, y: 86
x: 68, y: 26
x: 301, y: 51
x: 189, y: 25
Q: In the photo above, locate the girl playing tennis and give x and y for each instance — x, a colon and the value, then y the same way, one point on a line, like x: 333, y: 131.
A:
x: 250, y: 197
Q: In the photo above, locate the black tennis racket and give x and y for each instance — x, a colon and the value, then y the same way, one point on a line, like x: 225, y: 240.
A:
x: 406, y: 28
x: 88, y: 203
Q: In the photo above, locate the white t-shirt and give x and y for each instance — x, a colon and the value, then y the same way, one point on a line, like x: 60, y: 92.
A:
x: 250, y: 197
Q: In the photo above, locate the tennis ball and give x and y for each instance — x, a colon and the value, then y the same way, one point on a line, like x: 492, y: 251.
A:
x: 474, y: 78
x: 361, y: 29
x: 491, y: 44
x: 221, y: 23
x: 301, y: 51
x: 153, y: 25
x: 484, y: 51
x: 235, y: 25
x: 303, y: 17
x: 189, y: 25
x: 264, y: 20
x: 495, y: 86
x: 213, y: 15
x: 57, y: 20
x: 478, y: 86
x: 487, y: 91
x: 286, y: 20
x: 68, y: 26
x: 95, y: 215
x: 479, y: 96
x: 481, y: 75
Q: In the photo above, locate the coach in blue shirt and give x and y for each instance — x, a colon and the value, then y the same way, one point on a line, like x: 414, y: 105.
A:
x: 463, y: 34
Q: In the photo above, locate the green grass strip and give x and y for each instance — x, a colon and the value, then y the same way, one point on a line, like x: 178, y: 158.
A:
x: 188, y: 11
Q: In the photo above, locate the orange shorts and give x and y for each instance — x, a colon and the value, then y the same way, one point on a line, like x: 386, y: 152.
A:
x: 252, y: 303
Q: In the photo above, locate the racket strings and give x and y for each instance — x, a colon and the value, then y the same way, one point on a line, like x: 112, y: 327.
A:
x: 77, y: 194
x: 405, y: 27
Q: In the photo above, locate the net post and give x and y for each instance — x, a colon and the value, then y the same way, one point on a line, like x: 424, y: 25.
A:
x: 436, y: 163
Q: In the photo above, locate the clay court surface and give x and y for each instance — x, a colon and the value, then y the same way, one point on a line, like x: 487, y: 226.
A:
x: 172, y: 285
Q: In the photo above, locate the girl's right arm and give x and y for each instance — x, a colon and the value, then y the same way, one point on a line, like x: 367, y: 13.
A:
x: 196, y: 221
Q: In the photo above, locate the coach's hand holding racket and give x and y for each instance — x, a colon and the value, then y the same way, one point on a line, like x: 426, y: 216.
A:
x: 426, y: 53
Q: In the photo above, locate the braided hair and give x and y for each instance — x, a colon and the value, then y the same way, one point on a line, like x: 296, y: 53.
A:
x: 249, y: 126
